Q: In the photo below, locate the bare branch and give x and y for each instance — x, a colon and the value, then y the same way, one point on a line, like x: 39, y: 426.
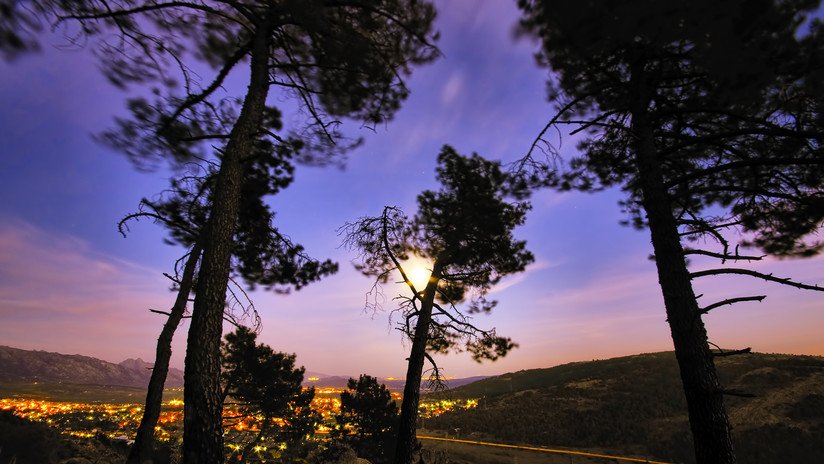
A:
x: 556, y: 119
x: 464, y: 326
x: 387, y: 248
x: 723, y: 256
x: 123, y: 228
x: 166, y: 313
x: 747, y: 131
x: 247, y: 308
x: 308, y: 101
x: 759, y: 192
x: 435, y: 381
x: 730, y: 301
x: 721, y: 353
x: 192, y: 100
x: 760, y: 275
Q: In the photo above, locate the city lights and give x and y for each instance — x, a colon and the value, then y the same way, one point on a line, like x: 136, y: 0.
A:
x: 119, y: 421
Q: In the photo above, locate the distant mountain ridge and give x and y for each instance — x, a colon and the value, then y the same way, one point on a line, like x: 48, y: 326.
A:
x: 337, y: 381
x: 174, y: 377
x: 18, y: 365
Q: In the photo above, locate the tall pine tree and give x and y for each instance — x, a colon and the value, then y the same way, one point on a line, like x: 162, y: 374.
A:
x: 336, y: 59
x: 261, y: 255
x: 465, y: 231
x: 707, y: 115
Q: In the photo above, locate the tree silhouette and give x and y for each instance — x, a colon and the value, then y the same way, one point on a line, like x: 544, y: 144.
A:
x: 19, y: 28
x: 465, y: 230
x: 266, y: 386
x: 368, y: 419
x: 708, y: 117
x: 334, y: 58
x: 261, y: 256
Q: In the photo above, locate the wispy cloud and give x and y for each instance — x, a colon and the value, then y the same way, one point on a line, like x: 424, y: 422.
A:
x: 530, y: 271
x: 58, y: 293
x: 452, y: 88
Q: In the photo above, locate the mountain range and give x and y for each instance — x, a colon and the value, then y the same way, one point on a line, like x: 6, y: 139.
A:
x: 392, y: 383
x: 18, y: 365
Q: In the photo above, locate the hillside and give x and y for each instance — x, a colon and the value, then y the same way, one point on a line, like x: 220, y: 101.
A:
x: 18, y: 365
x: 635, y: 405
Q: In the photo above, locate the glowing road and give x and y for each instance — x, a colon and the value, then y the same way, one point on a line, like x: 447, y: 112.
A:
x: 544, y: 450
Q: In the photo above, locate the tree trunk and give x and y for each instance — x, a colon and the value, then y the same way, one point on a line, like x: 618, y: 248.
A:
x: 708, y: 420
x: 144, y: 441
x: 405, y: 445
x: 202, y: 422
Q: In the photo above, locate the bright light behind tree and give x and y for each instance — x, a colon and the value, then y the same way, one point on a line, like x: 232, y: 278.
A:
x: 418, y: 270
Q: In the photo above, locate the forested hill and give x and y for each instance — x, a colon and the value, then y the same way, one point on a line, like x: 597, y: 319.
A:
x: 18, y: 365
x: 636, y: 405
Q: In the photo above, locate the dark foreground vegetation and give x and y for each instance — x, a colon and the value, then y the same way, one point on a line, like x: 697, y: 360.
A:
x: 26, y: 442
x: 635, y: 405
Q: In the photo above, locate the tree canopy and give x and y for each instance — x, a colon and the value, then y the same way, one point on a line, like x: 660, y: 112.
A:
x: 708, y: 117
x: 266, y: 386
x: 465, y: 230
x: 334, y: 59
x: 368, y: 419
x: 731, y: 94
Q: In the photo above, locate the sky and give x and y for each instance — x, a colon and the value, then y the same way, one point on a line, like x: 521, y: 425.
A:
x: 70, y: 283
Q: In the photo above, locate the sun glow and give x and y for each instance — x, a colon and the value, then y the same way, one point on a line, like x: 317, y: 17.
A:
x: 418, y: 271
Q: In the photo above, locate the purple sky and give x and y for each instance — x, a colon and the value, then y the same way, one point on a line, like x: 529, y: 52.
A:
x: 70, y: 283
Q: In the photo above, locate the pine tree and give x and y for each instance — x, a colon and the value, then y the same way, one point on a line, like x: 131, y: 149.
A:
x: 465, y: 231
x: 262, y: 255
x: 368, y: 420
x: 266, y: 388
x: 336, y: 59
x: 707, y: 115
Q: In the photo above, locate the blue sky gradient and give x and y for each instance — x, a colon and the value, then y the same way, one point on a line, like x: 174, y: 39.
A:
x: 70, y: 283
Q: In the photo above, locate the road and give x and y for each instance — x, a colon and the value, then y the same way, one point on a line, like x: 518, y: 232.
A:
x: 543, y: 450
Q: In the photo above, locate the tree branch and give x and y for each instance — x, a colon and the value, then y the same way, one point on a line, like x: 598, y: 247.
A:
x: 748, y: 272
x: 166, y: 313
x: 387, y: 248
x: 741, y: 164
x: 553, y: 121
x: 192, y: 100
x: 111, y: 14
x: 435, y: 381
x: 723, y: 256
x: 723, y: 354
x: 730, y: 301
